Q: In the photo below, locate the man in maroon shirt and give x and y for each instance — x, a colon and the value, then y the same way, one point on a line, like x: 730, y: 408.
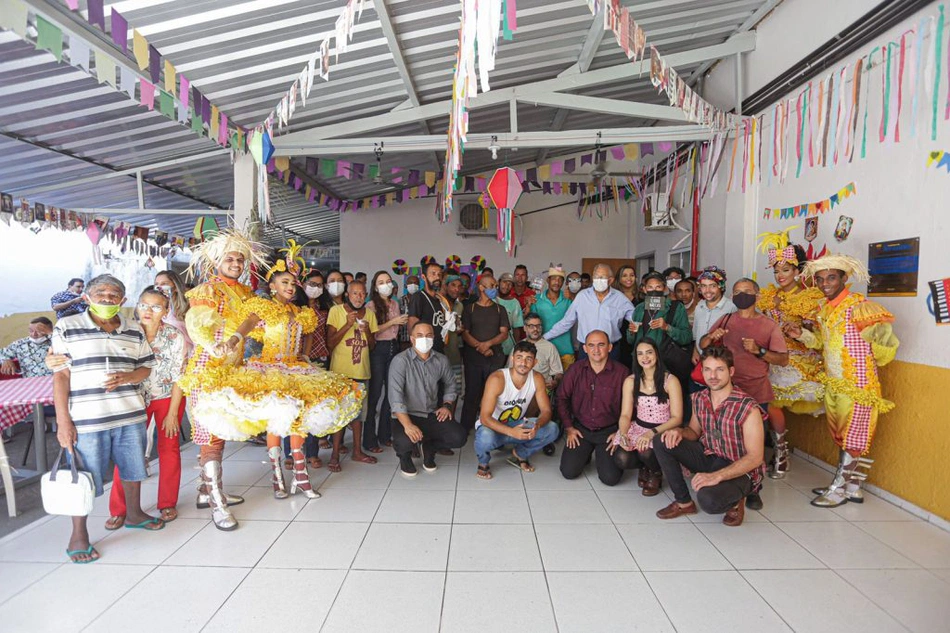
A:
x: 588, y: 402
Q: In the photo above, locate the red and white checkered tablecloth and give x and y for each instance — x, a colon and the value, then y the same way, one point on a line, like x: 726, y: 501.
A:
x: 17, y: 398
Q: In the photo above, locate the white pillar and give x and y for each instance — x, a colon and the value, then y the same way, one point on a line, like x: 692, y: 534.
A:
x: 245, y: 189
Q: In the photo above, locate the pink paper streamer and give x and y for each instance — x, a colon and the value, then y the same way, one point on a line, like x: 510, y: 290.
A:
x: 147, y: 94
x: 223, y: 130
x: 184, y: 91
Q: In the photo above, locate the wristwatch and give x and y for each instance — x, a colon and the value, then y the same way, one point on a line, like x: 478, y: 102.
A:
x: 762, y: 352
x: 447, y: 405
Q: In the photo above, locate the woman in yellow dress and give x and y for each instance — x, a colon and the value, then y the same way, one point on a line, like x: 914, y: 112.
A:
x: 790, y: 303
x: 298, y: 398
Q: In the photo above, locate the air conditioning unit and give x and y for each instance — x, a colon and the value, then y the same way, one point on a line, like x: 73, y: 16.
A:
x: 658, y: 214
x: 475, y: 221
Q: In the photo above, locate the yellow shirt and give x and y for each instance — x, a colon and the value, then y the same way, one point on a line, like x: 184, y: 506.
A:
x: 351, y: 356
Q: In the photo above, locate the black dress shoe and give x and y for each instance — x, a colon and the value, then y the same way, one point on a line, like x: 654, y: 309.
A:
x: 549, y: 449
x: 753, y: 501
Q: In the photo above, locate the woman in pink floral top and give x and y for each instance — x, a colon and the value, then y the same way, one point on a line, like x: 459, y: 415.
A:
x: 164, y: 402
x: 652, y: 403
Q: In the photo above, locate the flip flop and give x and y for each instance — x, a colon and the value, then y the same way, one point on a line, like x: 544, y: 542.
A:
x: 115, y: 523
x: 521, y: 464
x: 87, y: 552
x: 483, y: 473
x: 169, y: 514
x: 145, y: 525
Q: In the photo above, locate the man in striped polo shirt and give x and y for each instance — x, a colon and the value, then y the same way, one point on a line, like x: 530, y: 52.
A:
x: 99, y: 408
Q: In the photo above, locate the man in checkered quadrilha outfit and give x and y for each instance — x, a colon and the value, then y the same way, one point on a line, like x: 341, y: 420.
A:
x: 856, y: 337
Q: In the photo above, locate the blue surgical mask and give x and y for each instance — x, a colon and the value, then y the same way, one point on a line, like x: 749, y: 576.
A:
x: 491, y: 293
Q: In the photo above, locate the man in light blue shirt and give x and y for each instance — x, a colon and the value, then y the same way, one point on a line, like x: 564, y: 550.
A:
x: 599, y: 307
x: 712, y: 284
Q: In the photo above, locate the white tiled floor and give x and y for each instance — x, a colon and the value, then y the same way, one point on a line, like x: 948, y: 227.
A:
x: 447, y: 552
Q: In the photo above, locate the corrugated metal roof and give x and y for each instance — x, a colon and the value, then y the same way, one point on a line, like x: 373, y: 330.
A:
x: 59, y: 125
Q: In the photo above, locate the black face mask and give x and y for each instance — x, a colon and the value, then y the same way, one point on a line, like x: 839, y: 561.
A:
x: 743, y: 300
x: 655, y: 293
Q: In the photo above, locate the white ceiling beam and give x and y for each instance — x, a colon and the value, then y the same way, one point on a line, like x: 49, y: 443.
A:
x: 134, y: 211
x: 386, y: 24
x: 58, y: 186
x: 570, y: 138
x: 605, y: 106
x: 742, y: 43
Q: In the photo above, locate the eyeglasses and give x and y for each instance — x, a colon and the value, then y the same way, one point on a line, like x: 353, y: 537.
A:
x: 154, y: 307
x: 532, y: 325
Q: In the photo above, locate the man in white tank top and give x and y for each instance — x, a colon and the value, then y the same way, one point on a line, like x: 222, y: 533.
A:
x: 507, y: 396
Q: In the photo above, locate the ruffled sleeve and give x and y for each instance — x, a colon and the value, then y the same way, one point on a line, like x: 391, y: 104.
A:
x: 307, y: 319
x: 883, y: 341
x: 868, y: 313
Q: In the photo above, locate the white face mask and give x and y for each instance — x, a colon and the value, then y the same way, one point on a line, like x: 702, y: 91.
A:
x: 165, y: 290
x: 671, y: 283
x: 423, y: 344
x: 336, y: 288
x: 39, y: 340
x: 412, y: 288
x: 314, y: 292
x: 574, y: 285
x: 600, y: 284
x: 385, y: 290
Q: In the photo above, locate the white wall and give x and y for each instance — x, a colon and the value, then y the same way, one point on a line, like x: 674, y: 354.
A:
x: 38, y: 265
x: 371, y: 239
x: 898, y: 196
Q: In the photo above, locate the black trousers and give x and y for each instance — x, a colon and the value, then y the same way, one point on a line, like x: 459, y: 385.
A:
x: 477, y: 369
x: 573, y: 460
x: 712, y: 499
x: 435, y: 435
x: 628, y: 460
x: 379, y: 360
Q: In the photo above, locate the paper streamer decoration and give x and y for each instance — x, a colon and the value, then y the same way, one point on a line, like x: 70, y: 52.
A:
x: 478, y: 263
x: 811, y: 209
x: 942, y: 159
x: 453, y: 263
x: 400, y: 267
x: 505, y: 190
x: 205, y: 227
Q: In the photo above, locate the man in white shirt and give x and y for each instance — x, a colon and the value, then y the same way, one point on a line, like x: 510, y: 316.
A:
x: 712, y: 286
x: 547, y: 363
x: 599, y: 307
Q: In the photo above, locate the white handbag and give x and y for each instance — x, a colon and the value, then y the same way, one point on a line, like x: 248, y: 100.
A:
x: 68, y: 495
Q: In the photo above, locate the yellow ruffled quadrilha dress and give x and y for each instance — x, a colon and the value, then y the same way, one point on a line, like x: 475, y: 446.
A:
x: 277, y: 391
x: 797, y: 386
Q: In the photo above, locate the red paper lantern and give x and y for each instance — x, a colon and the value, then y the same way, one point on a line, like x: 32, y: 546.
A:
x: 504, y: 188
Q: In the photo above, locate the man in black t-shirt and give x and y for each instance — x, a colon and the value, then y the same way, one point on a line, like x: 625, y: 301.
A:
x: 427, y: 306
x: 484, y: 327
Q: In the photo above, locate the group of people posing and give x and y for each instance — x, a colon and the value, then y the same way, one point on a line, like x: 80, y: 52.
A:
x: 660, y: 373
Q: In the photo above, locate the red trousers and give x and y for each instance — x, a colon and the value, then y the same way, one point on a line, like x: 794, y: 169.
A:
x: 169, y: 462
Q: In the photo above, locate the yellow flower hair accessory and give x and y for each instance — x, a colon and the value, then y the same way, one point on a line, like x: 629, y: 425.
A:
x: 778, y: 247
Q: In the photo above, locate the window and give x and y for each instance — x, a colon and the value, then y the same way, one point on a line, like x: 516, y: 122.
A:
x: 682, y: 259
x: 645, y: 263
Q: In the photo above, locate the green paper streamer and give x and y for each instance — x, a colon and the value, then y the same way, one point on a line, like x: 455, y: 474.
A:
x: 372, y: 171
x: 166, y: 104
x: 459, y: 183
x: 864, y: 134
x: 506, y: 31
x: 49, y: 37
x: 887, y: 95
x: 196, y: 124
x: 939, y: 51
x: 327, y: 168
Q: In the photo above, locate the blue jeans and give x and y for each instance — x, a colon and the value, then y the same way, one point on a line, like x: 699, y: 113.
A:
x: 124, y: 446
x: 487, y: 440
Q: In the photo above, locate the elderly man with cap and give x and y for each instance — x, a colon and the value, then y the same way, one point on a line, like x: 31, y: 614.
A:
x: 856, y: 338
x: 510, y: 303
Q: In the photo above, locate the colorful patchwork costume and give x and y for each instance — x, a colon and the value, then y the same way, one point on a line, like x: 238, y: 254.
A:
x: 856, y: 338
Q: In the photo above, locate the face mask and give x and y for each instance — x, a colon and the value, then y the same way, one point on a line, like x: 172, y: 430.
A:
x: 104, y: 311
x: 671, y: 284
x: 313, y: 292
x: 412, y: 288
x: 491, y: 293
x: 655, y: 293
x: 336, y: 288
x: 574, y: 285
x: 39, y: 340
x: 423, y: 345
x: 600, y: 284
x: 744, y: 300
x: 165, y: 290
x: 385, y: 290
